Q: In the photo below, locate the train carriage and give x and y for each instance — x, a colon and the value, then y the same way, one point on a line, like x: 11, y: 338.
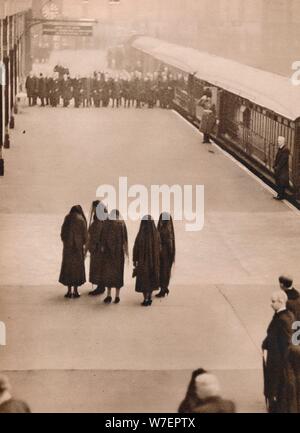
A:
x: 253, y: 107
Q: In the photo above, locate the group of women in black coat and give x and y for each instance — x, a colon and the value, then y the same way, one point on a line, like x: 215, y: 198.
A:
x: 106, y: 239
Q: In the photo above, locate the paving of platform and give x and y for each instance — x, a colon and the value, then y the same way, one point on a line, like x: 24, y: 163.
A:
x: 219, y: 305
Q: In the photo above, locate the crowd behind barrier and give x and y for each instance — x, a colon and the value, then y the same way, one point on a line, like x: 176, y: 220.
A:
x: 103, y: 89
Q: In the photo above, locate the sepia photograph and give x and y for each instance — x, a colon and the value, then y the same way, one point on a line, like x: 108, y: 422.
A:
x: 150, y: 209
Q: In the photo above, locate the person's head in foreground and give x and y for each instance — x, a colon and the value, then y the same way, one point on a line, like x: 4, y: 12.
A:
x: 7, y: 403
x: 278, y: 301
x: 204, y: 395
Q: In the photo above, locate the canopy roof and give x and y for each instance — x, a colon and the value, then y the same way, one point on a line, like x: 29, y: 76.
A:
x: 272, y: 91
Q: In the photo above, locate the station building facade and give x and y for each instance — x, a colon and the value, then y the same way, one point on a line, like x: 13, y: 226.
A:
x: 13, y: 48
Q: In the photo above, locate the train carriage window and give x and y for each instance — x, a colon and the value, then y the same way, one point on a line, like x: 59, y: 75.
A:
x: 246, y: 116
x: 258, y: 123
x: 272, y: 144
x: 255, y: 121
x: 198, y: 90
x: 268, y: 141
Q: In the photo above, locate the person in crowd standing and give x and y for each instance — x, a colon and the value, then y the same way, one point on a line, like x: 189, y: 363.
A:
x: 138, y: 89
x: 50, y: 88
x: 86, y: 92
x: 126, y: 92
x: 99, y: 215
x: 163, y: 92
x: 76, y: 91
x: 204, y: 395
x: 208, y: 121
x: 97, y: 87
x: 116, y: 94
x: 42, y: 90
x: 36, y: 89
x: 55, y: 91
x: 146, y: 260
x: 115, y: 245
x: 279, y: 379
x: 66, y: 91
x: 105, y: 92
x: 7, y: 403
x: 152, y: 92
x: 74, y: 236
x: 30, y: 88
x: 281, y: 168
x: 48, y: 84
x: 293, y: 303
x: 168, y: 252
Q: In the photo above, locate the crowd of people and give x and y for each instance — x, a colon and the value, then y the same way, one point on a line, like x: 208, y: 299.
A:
x: 102, y: 89
x: 105, y: 238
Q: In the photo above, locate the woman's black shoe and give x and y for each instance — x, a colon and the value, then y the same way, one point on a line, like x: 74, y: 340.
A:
x: 108, y: 300
x: 68, y: 295
x: 97, y: 292
x: 163, y: 293
x: 145, y: 303
x: 117, y: 300
x: 76, y: 295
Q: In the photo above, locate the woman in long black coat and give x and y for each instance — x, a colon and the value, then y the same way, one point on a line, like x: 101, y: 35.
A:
x: 74, y: 237
x: 146, y: 260
x: 168, y: 252
x: 115, y: 246
x: 94, y: 246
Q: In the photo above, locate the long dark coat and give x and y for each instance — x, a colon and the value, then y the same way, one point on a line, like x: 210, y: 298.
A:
x: 67, y: 90
x: 293, y: 303
x: 114, y: 242
x: 42, y: 87
x: 294, y: 357
x: 281, y: 167
x: 29, y: 86
x: 146, y: 257
x: 74, y: 237
x: 107, y: 244
x: 97, y: 252
x: 35, y: 86
x: 166, y: 256
x: 278, y: 375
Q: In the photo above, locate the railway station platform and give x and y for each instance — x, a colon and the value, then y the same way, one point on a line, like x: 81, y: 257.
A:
x: 85, y: 356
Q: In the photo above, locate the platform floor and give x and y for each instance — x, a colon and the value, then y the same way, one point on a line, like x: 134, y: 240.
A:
x: 84, y: 356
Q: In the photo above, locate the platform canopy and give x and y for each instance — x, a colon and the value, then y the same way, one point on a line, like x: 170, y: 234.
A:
x: 272, y: 91
x: 12, y: 7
